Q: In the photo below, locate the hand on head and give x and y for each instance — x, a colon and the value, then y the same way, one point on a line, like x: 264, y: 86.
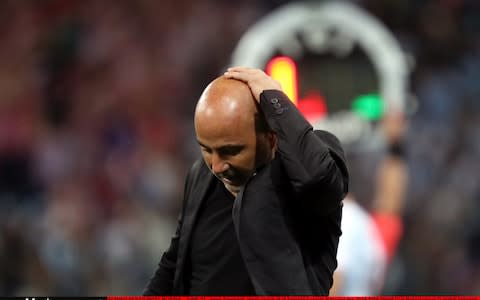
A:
x: 256, y: 80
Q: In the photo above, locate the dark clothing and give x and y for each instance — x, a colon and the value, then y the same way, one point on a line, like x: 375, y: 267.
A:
x: 214, y: 251
x: 286, y: 217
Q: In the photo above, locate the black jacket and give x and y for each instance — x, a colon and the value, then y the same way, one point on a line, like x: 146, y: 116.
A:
x: 287, y: 216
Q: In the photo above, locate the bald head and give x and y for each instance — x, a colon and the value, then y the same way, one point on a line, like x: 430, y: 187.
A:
x: 226, y: 99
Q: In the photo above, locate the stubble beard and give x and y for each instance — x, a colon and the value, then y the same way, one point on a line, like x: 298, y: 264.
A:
x: 264, y: 156
x: 234, y: 190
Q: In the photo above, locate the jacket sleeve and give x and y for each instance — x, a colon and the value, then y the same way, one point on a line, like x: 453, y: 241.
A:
x: 314, y: 160
x: 161, y: 282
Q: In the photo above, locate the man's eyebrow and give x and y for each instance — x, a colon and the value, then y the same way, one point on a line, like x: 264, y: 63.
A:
x: 200, y: 143
x: 223, y: 146
x: 233, y: 146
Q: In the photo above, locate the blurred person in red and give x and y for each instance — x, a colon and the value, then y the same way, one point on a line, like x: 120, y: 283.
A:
x: 252, y: 222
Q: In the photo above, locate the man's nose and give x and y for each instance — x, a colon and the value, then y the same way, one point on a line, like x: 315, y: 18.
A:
x: 218, y: 164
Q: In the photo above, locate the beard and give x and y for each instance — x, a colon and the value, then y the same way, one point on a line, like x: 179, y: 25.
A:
x: 236, y: 177
x: 233, y: 189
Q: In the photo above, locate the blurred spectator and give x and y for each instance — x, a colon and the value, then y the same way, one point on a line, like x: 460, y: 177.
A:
x: 95, y: 134
x: 361, y: 256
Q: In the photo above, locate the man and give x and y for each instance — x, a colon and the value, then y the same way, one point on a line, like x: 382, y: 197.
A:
x: 262, y: 211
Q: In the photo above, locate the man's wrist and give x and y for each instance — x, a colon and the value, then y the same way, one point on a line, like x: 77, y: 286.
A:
x: 397, y: 149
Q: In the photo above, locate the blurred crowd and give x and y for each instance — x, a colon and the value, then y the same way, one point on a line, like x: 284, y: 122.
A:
x: 96, y: 135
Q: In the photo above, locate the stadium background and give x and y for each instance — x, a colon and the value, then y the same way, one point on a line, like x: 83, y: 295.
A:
x: 96, y: 104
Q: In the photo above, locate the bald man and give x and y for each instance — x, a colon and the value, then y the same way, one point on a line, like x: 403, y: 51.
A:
x: 262, y: 209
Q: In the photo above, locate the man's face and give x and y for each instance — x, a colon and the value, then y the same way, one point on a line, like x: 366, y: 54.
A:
x: 232, y: 149
x: 226, y: 118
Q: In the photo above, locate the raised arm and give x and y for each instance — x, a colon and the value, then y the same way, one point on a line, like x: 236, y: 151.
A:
x: 314, y: 161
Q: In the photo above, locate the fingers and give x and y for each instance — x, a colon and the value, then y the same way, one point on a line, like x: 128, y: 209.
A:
x: 256, y: 79
x: 242, y: 69
x: 252, y: 77
x: 244, y: 73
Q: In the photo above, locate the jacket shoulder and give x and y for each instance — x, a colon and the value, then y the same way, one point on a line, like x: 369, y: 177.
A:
x: 332, y: 142
x: 198, y: 172
x: 337, y: 152
x: 198, y: 168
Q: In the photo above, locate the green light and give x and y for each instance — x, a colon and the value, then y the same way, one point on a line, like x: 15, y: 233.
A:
x: 369, y: 107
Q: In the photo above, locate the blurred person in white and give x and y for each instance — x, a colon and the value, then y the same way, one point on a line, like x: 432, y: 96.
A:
x: 361, y: 254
